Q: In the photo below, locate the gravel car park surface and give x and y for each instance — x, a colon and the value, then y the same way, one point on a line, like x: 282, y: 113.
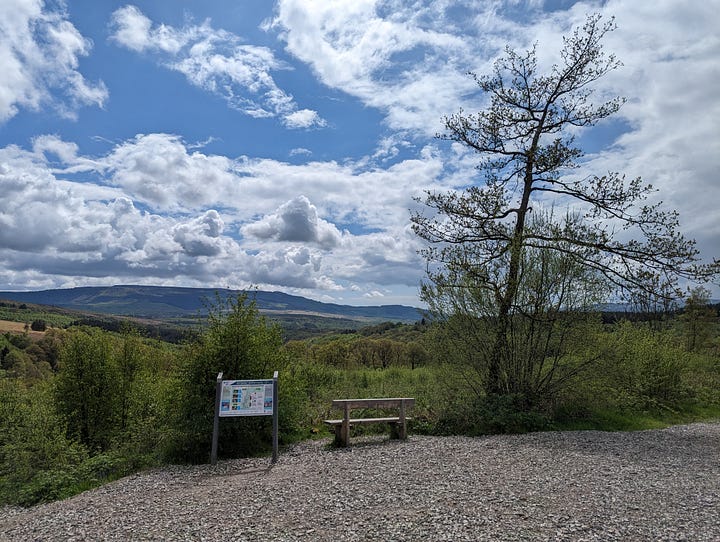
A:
x: 585, y: 485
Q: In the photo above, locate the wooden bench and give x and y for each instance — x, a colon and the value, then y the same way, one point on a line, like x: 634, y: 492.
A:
x: 398, y: 424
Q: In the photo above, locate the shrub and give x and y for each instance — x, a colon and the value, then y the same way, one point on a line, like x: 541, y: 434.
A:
x: 38, y: 325
x: 86, y: 391
x: 648, y: 367
x: 493, y: 414
x: 37, y: 459
x: 239, y: 343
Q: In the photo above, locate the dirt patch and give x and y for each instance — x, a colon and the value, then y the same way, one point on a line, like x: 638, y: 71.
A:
x: 7, y: 326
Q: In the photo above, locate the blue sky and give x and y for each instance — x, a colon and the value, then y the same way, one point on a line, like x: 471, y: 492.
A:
x: 280, y: 145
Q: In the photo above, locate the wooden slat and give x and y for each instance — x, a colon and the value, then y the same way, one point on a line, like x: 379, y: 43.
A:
x: 365, y: 420
x: 374, y: 403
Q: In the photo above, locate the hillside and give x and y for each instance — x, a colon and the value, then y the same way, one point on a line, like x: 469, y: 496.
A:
x: 161, y: 302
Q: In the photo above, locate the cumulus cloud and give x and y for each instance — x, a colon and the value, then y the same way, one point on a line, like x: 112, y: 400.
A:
x: 353, y: 192
x: 200, y: 236
x: 294, y: 267
x: 304, y: 118
x: 132, y: 29
x: 216, y: 61
x: 52, y: 144
x: 160, y: 171
x: 672, y: 142
x: 40, y: 52
x: 295, y: 221
x: 67, y: 228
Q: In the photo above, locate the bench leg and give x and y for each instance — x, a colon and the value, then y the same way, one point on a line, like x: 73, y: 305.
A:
x: 345, y: 434
x: 398, y: 430
x: 338, y: 435
x: 395, y: 430
x: 345, y: 427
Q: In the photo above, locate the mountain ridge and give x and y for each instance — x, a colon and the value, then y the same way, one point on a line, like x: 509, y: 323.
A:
x: 174, y: 301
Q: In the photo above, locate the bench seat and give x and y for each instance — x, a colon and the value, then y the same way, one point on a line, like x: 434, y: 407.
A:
x: 358, y: 421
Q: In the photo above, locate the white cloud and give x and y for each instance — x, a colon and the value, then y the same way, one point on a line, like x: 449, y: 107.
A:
x: 153, y: 211
x: 295, y: 221
x: 304, y: 118
x: 40, y: 52
x: 52, y: 144
x: 68, y: 228
x: 158, y: 170
x: 134, y: 31
x: 671, y: 78
x: 216, y: 61
x: 370, y: 196
x: 403, y: 60
x: 293, y: 267
x: 200, y: 236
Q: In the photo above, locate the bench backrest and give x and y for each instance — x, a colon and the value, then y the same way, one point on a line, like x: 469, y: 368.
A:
x: 393, y: 402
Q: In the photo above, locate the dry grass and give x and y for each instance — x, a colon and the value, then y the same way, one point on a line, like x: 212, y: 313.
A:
x: 6, y: 326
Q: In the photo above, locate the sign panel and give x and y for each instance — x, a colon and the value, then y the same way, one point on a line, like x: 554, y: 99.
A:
x: 246, y: 398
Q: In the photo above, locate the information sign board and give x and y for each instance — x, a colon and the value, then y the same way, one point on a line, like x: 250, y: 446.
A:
x: 246, y: 398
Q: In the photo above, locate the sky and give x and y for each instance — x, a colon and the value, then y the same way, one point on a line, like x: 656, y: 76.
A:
x: 282, y: 145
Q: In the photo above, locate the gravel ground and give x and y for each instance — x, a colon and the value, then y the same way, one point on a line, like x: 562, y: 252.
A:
x: 587, y: 485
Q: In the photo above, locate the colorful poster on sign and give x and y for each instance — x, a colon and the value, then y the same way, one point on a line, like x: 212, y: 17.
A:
x: 246, y: 398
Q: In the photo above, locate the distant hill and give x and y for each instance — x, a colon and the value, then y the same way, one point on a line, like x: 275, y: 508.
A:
x: 171, y: 302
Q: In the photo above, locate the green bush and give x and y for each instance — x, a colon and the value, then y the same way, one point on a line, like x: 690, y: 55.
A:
x: 37, y: 459
x: 239, y: 343
x: 60, y: 483
x: 38, y: 325
x: 642, y: 375
x: 87, y: 388
x: 645, y: 369
x: 495, y: 414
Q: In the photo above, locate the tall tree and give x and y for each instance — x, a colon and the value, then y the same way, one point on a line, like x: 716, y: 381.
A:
x: 481, y: 237
x: 86, y: 390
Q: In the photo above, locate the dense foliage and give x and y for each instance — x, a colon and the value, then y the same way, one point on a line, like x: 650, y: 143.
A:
x: 242, y: 345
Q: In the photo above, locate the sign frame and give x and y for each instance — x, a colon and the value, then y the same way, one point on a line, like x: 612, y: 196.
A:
x: 245, y: 398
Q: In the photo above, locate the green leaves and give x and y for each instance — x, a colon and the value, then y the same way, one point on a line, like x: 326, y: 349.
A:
x: 86, y: 390
x: 241, y: 344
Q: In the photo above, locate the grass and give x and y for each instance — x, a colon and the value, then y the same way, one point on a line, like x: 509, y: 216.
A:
x: 28, y: 315
x: 613, y: 420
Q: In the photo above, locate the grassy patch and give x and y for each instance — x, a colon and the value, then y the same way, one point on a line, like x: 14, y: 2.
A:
x: 614, y: 420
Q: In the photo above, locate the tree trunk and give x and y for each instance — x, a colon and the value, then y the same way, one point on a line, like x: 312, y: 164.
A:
x: 498, y: 382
